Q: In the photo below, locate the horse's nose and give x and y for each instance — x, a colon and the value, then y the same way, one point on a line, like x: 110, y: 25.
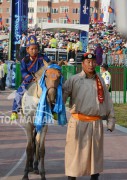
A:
x: 52, y: 95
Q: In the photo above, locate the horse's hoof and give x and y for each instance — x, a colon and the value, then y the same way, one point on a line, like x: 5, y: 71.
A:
x: 31, y: 169
x: 36, y: 171
x: 43, y: 178
x: 25, y: 178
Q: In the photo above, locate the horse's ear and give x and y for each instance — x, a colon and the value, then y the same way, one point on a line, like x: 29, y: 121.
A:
x: 45, y: 63
x: 60, y: 63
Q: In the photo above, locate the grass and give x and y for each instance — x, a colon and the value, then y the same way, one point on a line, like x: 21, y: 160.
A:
x: 121, y: 114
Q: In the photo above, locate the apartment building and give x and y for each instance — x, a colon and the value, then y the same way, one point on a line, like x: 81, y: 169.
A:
x: 58, y: 11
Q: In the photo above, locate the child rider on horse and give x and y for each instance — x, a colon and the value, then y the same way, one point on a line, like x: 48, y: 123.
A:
x: 29, y: 66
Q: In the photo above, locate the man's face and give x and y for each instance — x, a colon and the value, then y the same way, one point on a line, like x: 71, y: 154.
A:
x: 102, y: 70
x: 32, y: 50
x: 89, y: 65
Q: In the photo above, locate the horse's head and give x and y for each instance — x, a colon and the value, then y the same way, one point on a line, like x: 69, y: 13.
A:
x: 52, y: 80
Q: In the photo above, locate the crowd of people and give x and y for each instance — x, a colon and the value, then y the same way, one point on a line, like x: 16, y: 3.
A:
x: 113, y: 44
x: 109, y: 45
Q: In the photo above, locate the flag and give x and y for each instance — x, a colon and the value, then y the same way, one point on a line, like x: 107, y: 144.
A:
x: 68, y: 20
x: 1, y: 20
x: 110, y: 10
x: 95, y: 17
x: 31, y: 20
x: 101, y: 16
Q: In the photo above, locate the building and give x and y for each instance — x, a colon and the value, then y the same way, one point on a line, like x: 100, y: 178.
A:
x: 59, y: 11
x: 4, y: 12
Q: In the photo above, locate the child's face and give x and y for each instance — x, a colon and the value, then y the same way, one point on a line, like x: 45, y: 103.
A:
x: 32, y: 50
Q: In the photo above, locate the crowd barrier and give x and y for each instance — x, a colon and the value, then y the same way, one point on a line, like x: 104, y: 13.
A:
x: 118, y: 76
x: 115, y: 59
x: 118, y: 80
x: 60, y: 54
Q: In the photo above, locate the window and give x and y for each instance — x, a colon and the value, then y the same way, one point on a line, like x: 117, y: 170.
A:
x: 1, y: 1
x: 30, y: 0
x: 7, y: 21
x: 63, y: 20
x: 76, y: 1
x: 54, y: 10
x: 43, y: 9
x: 1, y: 10
x: 40, y: 20
x: 31, y: 10
x: 8, y: 10
x: 43, y: 0
x: 44, y: 20
x: 76, y: 10
x: 75, y: 21
x: 54, y: 21
x: 8, y: 0
x: 64, y: 0
x: 64, y: 9
x: 55, y: 1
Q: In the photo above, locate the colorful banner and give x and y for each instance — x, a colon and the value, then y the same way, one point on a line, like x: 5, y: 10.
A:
x: 84, y: 19
x: 19, y: 23
x: 104, y: 6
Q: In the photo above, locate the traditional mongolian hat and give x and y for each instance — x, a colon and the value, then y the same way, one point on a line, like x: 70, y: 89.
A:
x: 31, y: 40
x: 88, y: 56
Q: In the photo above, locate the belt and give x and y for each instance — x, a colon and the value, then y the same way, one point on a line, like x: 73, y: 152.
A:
x: 85, y: 118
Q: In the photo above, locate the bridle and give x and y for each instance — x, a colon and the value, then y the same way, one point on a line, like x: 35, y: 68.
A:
x: 52, y: 87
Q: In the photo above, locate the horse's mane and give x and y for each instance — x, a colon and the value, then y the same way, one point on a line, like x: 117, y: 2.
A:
x: 53, y: 62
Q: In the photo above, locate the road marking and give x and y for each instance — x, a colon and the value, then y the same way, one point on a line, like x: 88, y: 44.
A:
x: 19, y: 162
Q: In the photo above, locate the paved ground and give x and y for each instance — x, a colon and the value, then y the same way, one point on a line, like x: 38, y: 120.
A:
x: 13, y: 142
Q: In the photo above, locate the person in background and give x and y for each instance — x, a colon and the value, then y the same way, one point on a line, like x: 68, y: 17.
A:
x: 53, y: 42
x: 29, y: 66
x: 73, y: 49
x: 78, y: 46
x: 90, y: 104
x: 69, y: 48
x: 1, y: 76
x: 1, y: 51
x: 23, y: 46
x: 99, y: 52
x: 5, y: 73
x: 106, y: 76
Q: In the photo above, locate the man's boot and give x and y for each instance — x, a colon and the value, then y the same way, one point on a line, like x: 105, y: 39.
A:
x: 95, y: 177
x: 71, y: 178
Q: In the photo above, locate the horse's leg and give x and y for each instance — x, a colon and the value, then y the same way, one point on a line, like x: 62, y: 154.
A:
x: 36, y: 154
x: 42, y: 151
x: 29, y: 150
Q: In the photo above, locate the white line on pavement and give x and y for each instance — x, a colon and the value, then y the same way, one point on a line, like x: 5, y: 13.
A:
x: 19, y: 162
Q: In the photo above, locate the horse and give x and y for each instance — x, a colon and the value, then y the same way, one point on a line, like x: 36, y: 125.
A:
x: 35, y: 150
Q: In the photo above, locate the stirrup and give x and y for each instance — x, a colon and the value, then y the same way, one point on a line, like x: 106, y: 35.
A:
x: 14, y: 116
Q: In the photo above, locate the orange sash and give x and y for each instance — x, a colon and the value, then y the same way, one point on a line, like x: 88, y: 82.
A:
x: 85, y: 118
